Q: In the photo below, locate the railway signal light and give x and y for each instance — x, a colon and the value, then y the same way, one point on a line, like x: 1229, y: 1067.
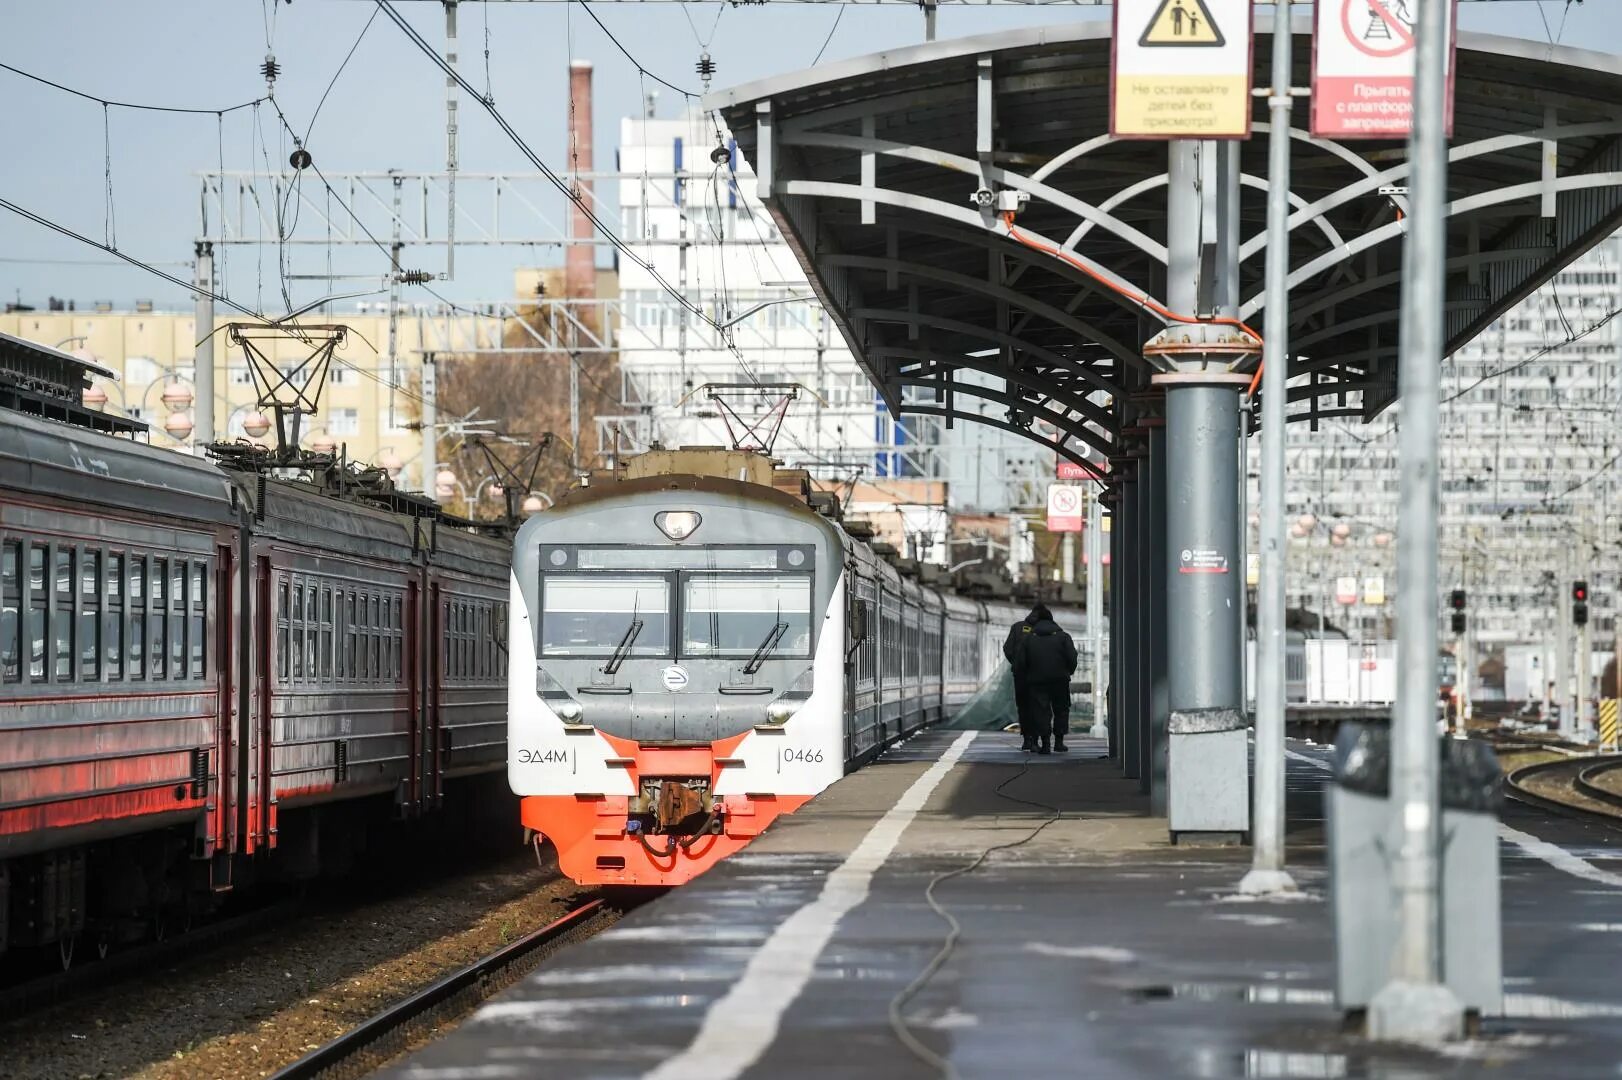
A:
x: 1458, y: 622
x: 1579, y: 603
x: 1456, y: 600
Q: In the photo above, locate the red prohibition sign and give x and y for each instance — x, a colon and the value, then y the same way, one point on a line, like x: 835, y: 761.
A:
x: 1400, y: 37
x: 1064, y: 500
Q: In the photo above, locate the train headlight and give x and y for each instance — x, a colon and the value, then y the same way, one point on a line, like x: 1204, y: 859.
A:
x: 677, y: 524
x: 568, y: 711
x: 778, y: 712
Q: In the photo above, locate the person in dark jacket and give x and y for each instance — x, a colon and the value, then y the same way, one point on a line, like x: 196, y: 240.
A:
x: 1022, y: 692
x: 1045, y: 659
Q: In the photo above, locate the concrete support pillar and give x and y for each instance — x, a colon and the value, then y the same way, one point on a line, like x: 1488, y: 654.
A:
x: 1131, y: 620
x: 1204, y: 586
x: 1117, y: 589
x: 1159, y: 710
x: 1143, y: 646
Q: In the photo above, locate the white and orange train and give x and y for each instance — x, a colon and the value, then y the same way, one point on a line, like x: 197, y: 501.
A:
x: 697, y: 647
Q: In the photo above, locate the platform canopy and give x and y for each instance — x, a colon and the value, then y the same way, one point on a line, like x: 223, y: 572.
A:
x: 870, y: 167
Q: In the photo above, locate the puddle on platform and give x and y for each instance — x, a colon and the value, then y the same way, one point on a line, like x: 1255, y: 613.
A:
x: 1232, y: 992
x: 1543, y: 1007
x: 1108, y: 954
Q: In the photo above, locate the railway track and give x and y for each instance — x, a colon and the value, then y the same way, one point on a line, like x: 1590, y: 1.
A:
x: 1575, y: 785
x: 402, y: 1026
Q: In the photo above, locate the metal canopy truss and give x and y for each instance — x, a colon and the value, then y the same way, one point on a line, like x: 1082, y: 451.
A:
x: 885, y: 174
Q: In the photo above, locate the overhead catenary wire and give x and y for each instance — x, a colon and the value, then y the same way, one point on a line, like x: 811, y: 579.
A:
x: 109, y: 102
x: 350, y: 54
x: 551, y: 175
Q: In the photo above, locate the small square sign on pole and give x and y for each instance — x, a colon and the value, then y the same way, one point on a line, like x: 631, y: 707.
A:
x: 1181, y: 69
x: 1066, y: 508
x: 1363, y: 68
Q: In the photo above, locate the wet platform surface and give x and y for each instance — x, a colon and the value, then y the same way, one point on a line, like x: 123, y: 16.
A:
x: 1088, y: 946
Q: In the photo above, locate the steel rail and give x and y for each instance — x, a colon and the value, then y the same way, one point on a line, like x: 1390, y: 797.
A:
x: 398, y: 1017
x: 1587, y: 783
x: 1515, y: 788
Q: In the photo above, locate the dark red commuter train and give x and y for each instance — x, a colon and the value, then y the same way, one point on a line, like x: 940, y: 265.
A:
x: 211, y: 676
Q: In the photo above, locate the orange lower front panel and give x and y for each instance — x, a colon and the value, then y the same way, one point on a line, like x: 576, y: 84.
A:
x: 595, y: 849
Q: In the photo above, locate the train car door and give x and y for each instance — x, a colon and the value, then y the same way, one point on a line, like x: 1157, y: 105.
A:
x: 418, y: 665
x: 261, y: 810
x: 433, y: 690
x: 221, y: 654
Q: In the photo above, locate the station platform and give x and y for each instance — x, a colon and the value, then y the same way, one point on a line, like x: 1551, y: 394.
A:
x: 1023, y: 917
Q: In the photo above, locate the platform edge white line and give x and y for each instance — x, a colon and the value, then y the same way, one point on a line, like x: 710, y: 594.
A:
x: 1544, y: 850
x: 741, y: 1025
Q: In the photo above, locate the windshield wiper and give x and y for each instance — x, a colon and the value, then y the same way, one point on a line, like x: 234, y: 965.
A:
x: 623, y: 649
x: 765, y: 648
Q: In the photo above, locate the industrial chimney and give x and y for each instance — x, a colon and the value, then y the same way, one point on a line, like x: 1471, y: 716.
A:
x: 580, y: 264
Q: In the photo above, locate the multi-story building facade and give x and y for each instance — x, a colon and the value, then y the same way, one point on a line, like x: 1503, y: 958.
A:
x: 1531, y: 477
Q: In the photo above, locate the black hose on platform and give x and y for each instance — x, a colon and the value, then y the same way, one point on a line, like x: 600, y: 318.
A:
x: 898, y: 1024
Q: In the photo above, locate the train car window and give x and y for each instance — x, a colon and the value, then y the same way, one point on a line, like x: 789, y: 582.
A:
x: 112, y: 620
x: 312, y: 632
x: 199, y: 620
x: 136, y: 656
x: 281, y: 631
x: 734, y: 615
x: 11, y: 593
x: 62, y: 618
x: 376, y: 643
x: 351, y: 628
x: 592, y: 614
x: 90, y: 616
x: 177, y: 622
x: 157, y: 643
x: 157, y: 654
x: 326, y: 632
x: 295, y: 616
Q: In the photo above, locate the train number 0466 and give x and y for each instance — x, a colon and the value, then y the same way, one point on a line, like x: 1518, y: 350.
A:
x: 808, y: 757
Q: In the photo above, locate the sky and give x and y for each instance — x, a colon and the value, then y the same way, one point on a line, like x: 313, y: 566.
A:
x: 386, y: 110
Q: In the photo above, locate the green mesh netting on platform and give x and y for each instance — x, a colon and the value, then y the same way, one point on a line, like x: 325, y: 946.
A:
x: 992, y: 706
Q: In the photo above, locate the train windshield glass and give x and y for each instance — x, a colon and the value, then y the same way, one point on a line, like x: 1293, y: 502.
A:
x: 732, y: 615
x: 591, y: 614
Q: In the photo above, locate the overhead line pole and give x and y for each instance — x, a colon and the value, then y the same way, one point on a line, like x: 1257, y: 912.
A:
x: 1267, y: 874
x: 450, y: 140
x: 1415, y: 1006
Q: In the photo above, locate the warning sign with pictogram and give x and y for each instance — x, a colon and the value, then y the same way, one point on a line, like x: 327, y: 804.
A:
x: 1181, y: 69
x: 1363, y: 68
x: 1182, y: 22
x: 1065, y: 508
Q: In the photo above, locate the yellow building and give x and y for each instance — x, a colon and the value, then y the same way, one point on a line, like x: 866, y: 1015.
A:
x: 364, y: 407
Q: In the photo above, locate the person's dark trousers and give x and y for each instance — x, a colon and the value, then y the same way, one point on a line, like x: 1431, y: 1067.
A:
x: 1051, y: 705
x: 1025, y: 707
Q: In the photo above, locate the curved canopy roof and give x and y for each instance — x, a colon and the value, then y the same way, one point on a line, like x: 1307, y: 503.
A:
x: 870, y: 166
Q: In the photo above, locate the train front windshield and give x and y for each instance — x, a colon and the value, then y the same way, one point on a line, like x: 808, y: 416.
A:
x: 593, y: 614
x: 728, y: 603
x: 735, y: 615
